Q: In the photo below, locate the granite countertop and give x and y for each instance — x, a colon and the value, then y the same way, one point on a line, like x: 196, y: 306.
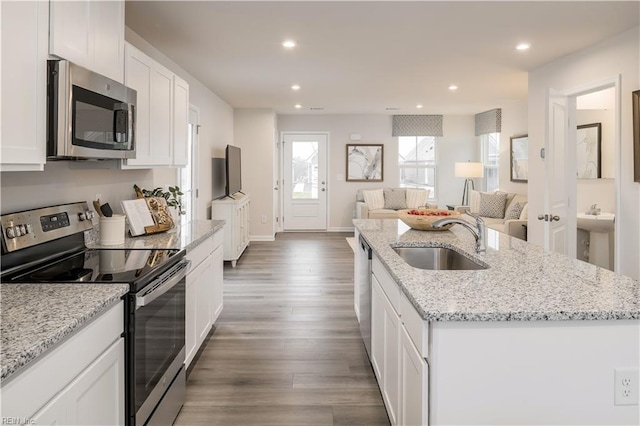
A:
x: 523, y: 282
x: 186, y: 236
x: 37, y: 317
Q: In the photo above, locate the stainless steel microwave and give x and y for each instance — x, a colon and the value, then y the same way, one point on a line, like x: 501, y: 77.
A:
x: 89, y: 116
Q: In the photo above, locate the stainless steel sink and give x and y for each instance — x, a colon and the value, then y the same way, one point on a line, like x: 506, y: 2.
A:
x: 436, y: 258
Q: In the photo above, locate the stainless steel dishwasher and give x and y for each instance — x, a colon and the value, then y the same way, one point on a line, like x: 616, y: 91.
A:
x: 364, y: 291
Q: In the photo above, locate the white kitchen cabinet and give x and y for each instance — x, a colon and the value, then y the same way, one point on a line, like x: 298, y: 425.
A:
x: 161, y: 112
x: 399, y: 339
x: 90, y: 34
x: 385, y: 348
x: 24, y: 32
x: 80, y: 382
x: 414, y: 383
x: 203, y: 293
x: 218, y: 284
x: 235, y: 211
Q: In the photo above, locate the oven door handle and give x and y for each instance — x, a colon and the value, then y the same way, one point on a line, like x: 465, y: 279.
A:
x: 177, y: 274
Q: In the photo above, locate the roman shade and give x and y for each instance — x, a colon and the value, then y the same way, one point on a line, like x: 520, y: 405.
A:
x: 417, y: 125
x: 489, y: 122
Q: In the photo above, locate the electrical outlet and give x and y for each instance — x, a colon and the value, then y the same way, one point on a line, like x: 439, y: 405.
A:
x: 264, y: 218
x: 626, y: 386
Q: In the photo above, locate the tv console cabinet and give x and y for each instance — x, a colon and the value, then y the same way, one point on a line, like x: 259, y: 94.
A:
x: 234, y: 211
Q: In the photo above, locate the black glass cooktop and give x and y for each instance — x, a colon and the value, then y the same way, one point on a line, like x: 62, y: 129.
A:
x: 102, y: 266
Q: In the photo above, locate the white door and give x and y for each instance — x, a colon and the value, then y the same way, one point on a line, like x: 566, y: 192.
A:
x: 305, y: 182
x: 559, y: 216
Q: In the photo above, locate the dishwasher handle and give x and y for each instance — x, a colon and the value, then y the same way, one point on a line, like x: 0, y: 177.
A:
x: 165, y: 283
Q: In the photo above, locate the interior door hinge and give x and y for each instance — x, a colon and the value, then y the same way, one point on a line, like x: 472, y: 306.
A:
x: 197, y: 193
x: 277, y: 219
x: 197, y: 129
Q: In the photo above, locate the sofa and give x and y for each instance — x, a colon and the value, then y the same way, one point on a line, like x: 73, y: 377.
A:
x: 502, y: 211
x: 384, y: 203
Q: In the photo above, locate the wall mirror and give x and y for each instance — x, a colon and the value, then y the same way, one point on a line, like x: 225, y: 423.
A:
x: 588, y: 151
x: 595, y: 137
x: 520, y: 158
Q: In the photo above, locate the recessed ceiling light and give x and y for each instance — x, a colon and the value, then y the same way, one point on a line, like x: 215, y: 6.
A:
x: 289, y: 44
x: 298, y: 106
x: 453, y: 87
x: 419, y: 106
x: 523, y: 46
x: 295, y: 87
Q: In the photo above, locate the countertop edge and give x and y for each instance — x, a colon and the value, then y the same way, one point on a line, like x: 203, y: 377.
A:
x: 13, y: 367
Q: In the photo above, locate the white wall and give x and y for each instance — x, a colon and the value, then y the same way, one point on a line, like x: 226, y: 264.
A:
x: 514, y: 123
x: 216, y: 131
x: 64, y: 181
x: 254, y: 131
x: 616, y: 56
x: 458, y: 144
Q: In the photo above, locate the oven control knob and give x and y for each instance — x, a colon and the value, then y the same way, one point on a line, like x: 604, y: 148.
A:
x: 10, y: 233
x: 23, y: 229
x: 29, y: 228
x: 81, y: 217
x: 17, y: 231
x: 88, y: 214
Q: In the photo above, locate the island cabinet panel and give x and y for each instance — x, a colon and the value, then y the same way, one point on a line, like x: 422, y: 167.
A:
x: 414, y: 379
x: 385, y: 348
x: 531, y: 372
x: 417, y: 328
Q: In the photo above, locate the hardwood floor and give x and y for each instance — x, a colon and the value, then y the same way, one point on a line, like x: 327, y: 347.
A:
x: 287, y: 349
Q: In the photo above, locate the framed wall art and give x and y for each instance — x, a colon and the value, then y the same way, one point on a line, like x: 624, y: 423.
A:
x: 588, y: 151
x: 636, y: 135
x: 520, y: 158
x: 365, y: 162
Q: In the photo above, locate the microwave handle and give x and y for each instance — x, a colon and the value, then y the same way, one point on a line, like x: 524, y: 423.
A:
x: 161, y: 289
x: 131, y: 118
x: 123, y: 116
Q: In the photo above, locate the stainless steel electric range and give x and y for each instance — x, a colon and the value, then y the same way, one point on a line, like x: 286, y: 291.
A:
x: 46, y: 245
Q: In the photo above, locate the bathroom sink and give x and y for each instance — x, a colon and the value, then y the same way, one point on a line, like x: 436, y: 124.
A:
x: 596, y: 223
x: 436, y: 258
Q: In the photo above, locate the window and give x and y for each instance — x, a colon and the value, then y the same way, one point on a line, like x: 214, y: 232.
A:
x: 187, y: 176
x: 417, y: 162
x: 491, y: 159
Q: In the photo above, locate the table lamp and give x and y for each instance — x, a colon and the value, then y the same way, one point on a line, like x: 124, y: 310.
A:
x: 468, y: 171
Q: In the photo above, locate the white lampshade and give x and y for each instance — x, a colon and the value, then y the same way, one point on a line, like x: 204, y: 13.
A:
x: 469, y: 170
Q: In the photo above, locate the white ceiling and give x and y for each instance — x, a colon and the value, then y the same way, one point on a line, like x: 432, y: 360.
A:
x: 363, y: 57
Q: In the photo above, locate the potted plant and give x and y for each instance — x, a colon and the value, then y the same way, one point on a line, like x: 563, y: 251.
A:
x: 173, y: 196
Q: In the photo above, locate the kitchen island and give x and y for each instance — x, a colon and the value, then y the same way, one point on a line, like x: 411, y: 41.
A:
x: 534, y: 338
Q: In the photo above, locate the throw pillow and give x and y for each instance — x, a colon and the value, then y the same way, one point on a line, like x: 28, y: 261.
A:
x: 524, y: 215
x: 374, y: 199
x: 492, y: 205
x: 417, y: 198
x: 514, y: 211
x: 474, y: 202
x: 395, y: 199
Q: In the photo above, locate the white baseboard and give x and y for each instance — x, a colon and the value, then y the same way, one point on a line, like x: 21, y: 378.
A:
x: 345, y: 229
x: 262, y: 238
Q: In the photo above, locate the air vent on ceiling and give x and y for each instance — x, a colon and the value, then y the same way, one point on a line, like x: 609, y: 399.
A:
x: 392, y: 108
x: 317, y: 108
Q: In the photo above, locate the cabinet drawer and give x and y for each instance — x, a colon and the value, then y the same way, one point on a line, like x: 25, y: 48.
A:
x: 417, y: 328
x: 200, y: 252
x: 388, y: 284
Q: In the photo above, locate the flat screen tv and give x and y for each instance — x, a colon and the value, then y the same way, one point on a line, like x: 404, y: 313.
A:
x: 234, y: 174
x: 219, y: 178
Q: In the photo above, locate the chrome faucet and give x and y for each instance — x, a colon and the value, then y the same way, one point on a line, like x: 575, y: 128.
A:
x: 479, y: 231
x: 595, y: 210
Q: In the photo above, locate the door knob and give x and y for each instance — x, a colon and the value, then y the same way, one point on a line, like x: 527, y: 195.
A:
x: 323, y: 189
x: 544, y: 217
x: 555, y: 217
x: 323, y: 182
